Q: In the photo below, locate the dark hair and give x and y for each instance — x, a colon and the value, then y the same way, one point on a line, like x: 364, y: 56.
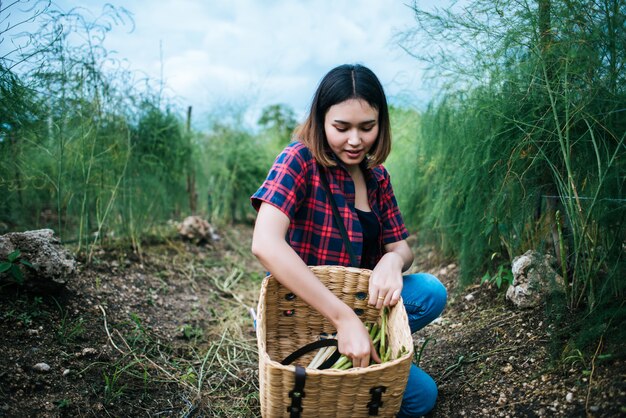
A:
x: 348, y: 81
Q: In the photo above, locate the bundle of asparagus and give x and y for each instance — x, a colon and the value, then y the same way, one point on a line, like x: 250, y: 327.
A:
x: 379, y: 337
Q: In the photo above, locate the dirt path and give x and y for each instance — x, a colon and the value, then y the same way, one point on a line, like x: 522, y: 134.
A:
x: 168, y: 334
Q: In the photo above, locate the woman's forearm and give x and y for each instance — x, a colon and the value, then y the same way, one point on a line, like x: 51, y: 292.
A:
x: 289, y: 269
x: 277, y: 256
x: 403, y: 251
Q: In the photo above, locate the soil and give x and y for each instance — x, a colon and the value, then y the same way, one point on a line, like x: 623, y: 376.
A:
x: 168, y: 333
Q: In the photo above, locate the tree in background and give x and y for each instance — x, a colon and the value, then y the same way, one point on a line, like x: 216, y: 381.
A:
x: 277, y: 123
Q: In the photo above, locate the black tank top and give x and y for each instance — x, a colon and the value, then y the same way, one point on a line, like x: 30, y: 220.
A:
x: 371, y: 232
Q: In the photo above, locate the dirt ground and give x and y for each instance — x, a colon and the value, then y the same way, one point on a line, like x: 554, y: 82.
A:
x: 168, y: 333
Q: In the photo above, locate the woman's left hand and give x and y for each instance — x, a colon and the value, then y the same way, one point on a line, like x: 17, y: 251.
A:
x: 386, y: 281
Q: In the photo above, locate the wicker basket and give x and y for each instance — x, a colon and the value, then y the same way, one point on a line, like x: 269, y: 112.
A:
x: 286, y: 323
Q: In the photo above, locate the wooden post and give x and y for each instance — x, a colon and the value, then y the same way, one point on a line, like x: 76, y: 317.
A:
x: 191, y: 174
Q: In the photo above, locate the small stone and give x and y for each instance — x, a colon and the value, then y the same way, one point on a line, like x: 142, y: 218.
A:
x: 501, y: 399
x: 438, y: 321
x: 41, y: 367
x: 594, y: 408
x: 32, y: 332
x: 508, y: 368
x: 66, y: 372
x: 89, y: 351
x: 469, y: 297
x: 569, y: 397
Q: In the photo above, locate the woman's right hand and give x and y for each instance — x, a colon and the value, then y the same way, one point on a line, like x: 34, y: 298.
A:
x: 354, y: 342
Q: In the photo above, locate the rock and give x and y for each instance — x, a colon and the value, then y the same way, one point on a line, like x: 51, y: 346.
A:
x: 569, y: 397
x: 53, y: 265
x: 66, y: 372
x: 438, y: 321
x: 533, y: 278
x: 469, y: 297
x: 594, y: 408
x: 41, y: 367
x: 502, y: 399
x: 508, y: 368
x: 198, y: 230
x: 89, y: 352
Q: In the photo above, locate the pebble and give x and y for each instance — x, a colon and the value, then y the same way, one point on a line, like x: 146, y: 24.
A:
x: 569, y: 397
x: 469, y: 297
x: 66, y: 372
x: 594, y: 408
x: 508, y: 368
x: 501, y: 399
x: 41, y: 367
x: 32, y: 332
x: 89, y: 351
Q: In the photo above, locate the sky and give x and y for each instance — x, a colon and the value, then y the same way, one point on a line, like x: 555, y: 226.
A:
x: 251, y: 54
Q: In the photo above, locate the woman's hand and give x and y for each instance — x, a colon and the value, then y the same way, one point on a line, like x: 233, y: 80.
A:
x: 386, y: 279
x: 355, y: 342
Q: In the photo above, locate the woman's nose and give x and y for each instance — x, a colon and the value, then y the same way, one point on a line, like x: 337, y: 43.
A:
x: 353, y: 138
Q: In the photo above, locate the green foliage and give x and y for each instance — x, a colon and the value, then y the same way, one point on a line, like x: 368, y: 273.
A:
x: 530, y: 125
x: 63, y: 403
x: 277, y: 121
x: 235, y: 162
x: 503, y: 276
x: 27, y: 312
x: 69, y: 330
x: 403, y: 160
x: 189, y: 332
x: 11, y: 266
x: 417, y: 354
x: 82, y: 150
x: 114, y: 387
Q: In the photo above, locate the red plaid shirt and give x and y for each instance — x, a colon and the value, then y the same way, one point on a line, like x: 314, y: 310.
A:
x: 293, y: 186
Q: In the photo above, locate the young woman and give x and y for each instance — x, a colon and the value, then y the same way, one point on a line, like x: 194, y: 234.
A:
x: 346, y: 137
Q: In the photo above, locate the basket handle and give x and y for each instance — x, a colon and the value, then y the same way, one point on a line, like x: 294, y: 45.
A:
x: 314, y: 346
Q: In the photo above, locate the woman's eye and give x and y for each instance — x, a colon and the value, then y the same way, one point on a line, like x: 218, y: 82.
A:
x: 367, y: 129
x: 341, y: 129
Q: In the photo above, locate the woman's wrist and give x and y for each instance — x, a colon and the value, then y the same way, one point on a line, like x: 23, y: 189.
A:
x: 395, y: 259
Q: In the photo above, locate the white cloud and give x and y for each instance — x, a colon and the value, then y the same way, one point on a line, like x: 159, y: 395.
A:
x: 271, y: 51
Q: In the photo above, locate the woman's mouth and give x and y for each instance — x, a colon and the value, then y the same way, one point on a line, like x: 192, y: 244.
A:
x: 353, y: 153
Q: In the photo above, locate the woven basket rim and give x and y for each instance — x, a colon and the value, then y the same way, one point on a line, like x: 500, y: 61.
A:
x: 352, y: 370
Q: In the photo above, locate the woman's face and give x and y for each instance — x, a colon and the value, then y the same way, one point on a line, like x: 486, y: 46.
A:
x: 351, y: 129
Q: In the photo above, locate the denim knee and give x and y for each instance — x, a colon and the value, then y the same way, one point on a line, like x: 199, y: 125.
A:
x: 424, y: 298
x: 420, y: 394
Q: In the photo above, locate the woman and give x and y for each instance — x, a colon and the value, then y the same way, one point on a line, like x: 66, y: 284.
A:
x: 346, y: 137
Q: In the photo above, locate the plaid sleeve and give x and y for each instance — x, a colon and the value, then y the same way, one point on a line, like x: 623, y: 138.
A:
x: 393, y: 225
x: 285, y: 185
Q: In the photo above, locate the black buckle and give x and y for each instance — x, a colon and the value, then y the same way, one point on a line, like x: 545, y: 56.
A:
x: 377, y: 399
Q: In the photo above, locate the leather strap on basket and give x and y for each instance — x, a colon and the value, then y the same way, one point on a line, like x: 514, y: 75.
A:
x: 377, y: 399
x: 314, y: 346
x: 297, y: 393
x: 338, y: 220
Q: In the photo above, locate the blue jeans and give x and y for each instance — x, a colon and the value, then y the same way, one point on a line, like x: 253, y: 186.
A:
x: 424, y: 299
